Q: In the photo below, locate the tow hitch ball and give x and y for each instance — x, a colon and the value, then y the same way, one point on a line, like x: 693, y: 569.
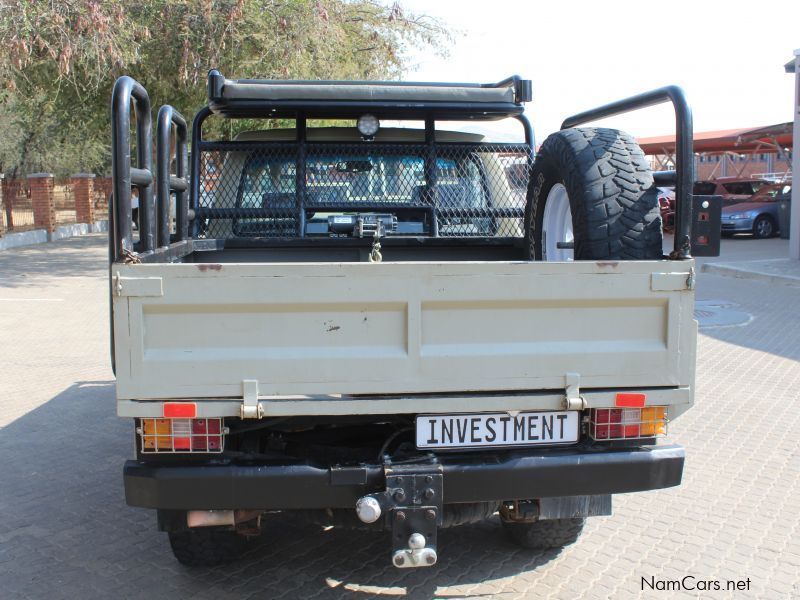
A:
x: 417, y: 554
x: 412, y: 509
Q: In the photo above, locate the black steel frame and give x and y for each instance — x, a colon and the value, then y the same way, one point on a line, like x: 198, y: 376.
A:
x: 301, y: 146
x: 683, y: 176
x: 155, y: 242
x: 455, y: 110
x: 169, y: 121
x: 126, y: 91
x: 294, y: 484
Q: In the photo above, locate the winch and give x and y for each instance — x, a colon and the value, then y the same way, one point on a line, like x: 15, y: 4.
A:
x: 361, y: 225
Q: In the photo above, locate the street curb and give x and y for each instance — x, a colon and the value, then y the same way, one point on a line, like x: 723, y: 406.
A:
x: 729, y: 270
x: 41, y: 236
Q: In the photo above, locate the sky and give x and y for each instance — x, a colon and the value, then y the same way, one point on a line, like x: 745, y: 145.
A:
x: 728, y: 56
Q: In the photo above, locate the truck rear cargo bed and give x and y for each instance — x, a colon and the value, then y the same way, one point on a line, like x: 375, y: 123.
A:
x: 199, y: 330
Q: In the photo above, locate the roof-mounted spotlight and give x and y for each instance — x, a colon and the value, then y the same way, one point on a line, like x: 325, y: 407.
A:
x: 368, y: 126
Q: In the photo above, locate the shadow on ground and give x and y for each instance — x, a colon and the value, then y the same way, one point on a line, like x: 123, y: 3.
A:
x: 66, y: 526
x: 764, y: 316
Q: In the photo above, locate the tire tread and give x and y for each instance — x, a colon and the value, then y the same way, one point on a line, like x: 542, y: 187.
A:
x: 206, y: 547
x: 543, y: 535
x: 612, y: 194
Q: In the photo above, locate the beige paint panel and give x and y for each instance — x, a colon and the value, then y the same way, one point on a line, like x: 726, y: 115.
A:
x: 400, y: 328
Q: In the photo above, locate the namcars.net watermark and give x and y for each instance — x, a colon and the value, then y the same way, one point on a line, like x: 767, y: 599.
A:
x: 690, y: 583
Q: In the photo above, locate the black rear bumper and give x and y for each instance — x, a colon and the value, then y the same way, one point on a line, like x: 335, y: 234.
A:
x: 466, y: 478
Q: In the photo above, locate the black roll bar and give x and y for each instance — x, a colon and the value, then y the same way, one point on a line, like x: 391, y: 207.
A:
x: 170, y: 120
x: 301, y: 130
x: 684, y: 155
x: 127, y: 90
x: 194, y: 180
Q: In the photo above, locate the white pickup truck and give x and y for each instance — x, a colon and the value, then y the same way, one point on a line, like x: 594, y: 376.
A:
x: 396, y: 328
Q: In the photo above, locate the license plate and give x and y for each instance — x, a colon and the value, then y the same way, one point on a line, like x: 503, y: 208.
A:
x: 497, y: 429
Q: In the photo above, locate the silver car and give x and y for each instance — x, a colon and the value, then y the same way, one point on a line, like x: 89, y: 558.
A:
x: 758, y: 215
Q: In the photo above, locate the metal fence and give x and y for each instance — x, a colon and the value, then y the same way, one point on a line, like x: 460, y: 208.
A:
x: 17, y: 211
x: 16, y: 206
x: 65, y: 204
x: 266, y: 190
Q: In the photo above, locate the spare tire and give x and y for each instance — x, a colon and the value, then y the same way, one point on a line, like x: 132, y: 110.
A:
x: 593, y: 198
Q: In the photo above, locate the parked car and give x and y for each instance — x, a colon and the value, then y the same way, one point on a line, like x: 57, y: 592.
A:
x: 759, y: 215
x: 732, y: 189
x: 666, y: 203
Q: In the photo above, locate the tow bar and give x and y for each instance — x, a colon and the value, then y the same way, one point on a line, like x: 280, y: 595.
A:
x: 412, y: 503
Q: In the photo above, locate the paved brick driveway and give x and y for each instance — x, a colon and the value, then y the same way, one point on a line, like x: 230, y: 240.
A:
x: 65, y: 531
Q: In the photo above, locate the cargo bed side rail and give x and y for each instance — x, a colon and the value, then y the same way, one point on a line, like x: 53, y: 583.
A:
x: 155, y: 241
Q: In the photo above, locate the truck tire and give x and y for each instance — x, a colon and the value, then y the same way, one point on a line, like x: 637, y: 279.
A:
x: 471, y: 512
x: 593, y: 187
x: 542, y: 535
x: 206, y: 546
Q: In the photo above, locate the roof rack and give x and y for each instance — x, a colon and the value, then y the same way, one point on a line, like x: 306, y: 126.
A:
x: 387, y: 99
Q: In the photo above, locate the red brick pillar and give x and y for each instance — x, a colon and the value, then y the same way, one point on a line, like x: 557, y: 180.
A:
x: 43, y: 200
x: 83, y: 192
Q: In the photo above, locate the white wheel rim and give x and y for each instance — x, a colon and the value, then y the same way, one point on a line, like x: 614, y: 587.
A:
x: 557, y: 226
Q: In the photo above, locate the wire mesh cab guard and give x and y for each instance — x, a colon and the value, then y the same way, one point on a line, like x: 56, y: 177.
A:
x: 266, y: 189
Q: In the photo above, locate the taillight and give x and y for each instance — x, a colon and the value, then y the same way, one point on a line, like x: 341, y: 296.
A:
x: 181, y: 435
x: 628, y: 423
x: 206, y: 435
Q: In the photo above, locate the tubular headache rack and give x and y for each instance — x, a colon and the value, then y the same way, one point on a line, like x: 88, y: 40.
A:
x: 155, y: 184
x: 386, y: 99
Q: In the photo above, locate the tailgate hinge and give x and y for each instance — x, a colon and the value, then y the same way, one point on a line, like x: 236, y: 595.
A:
x: 672, y: 282
x: 572, y: 388
x: 251, y: 408
x: 137, y: 286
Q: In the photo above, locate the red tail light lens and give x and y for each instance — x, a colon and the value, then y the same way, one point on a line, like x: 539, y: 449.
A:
x: 199, y: 434
x: 181, y: 435
x: 608, y: 423
x: 628, y: 423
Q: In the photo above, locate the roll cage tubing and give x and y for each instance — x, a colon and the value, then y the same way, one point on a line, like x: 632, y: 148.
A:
x: 199, y: 145
x: 125, y: 176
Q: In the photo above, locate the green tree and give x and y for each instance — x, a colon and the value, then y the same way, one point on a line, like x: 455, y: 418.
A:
x: 62, y: 58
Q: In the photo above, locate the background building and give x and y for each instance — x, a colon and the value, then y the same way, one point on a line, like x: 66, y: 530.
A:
x: 753, y: 152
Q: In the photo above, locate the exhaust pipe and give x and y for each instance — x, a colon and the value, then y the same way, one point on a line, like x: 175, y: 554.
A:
x: 210, y: 518
x: 220, y: 518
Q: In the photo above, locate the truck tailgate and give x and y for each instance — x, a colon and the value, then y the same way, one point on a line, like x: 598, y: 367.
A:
x: 199, y: 330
